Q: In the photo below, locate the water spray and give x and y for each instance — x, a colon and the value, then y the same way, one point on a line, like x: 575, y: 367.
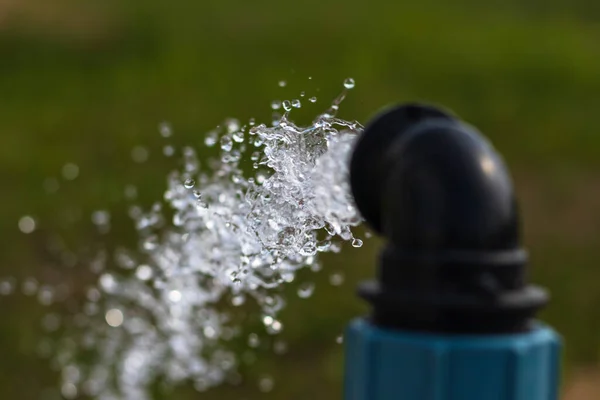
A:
x: 229, y: 232
x: 453, y: 317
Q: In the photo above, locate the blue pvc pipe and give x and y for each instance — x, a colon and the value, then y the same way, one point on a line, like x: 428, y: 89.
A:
x: 383, y: 364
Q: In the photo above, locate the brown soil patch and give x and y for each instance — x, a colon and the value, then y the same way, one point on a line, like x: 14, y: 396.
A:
x: 65, y: 18
x: 584, y: 385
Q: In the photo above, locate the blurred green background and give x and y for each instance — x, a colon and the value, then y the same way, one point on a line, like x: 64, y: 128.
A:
x: 86, y: 82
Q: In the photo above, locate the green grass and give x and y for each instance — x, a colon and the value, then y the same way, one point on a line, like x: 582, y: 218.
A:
x: 525, y: 73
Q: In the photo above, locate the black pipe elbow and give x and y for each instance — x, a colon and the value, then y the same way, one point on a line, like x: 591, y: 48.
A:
x: 444, y: 200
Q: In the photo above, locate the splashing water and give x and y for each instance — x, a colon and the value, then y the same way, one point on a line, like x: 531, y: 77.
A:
x: 220, y: 236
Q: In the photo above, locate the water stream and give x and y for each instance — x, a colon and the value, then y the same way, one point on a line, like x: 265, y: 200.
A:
x: 220, y: 237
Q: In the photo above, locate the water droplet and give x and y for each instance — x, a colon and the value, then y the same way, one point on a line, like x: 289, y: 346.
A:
x: 323, y: 245
x: 70, y: 171
x: 150, y: 243
x: 140, y: 154
x: 71, y: 373
x: 46, y: 295
x: 287, y: 277
x: 201, y: 385
x: 130, y: 192
x: 238, y: 300
x: 175, y: 296
x: 144, y: 272
x: 357, y: 243
x: 51, y: 322
x: 91, y: 309
x: 93, y: 294
x: 69, y: 390
x: 287, y: 105
x: 336, y: 279
x: 276, y: 104
x: 189, y: 183
x: 266, y: 384
x: 349, y: 83
x: 313, y: 99
x: 226, y: 143
x: 237, y: 282
x: 302, y: 94
x: 125, y: 259
x: 267, y: 320
x: 238, y: 137
x: 276, y: 120
x: 274, y: 328
x: 232, y: 125
x: 30, y: 287
x: 168, y: 150
x: 296, y: 103
x: 51, y: 185
x: 339, y: 339
x: 6, y: 286
x: 306, y: 290
x: 280, y: 347
x: 282, y: 83
x: 101, y: 218
x: 108, y: 283
x: 310, y: 77
x: 114, y: 317
x: 211, y: 138
x: 252, y: 121
x: 27, y: 224
x: 165, y: 129
x: 209, y: 332
x: 253, y: 340
x: 258, y: 142
x: 335, y: 247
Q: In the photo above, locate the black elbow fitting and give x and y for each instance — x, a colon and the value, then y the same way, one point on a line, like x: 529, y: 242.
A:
x: 441, y: 195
